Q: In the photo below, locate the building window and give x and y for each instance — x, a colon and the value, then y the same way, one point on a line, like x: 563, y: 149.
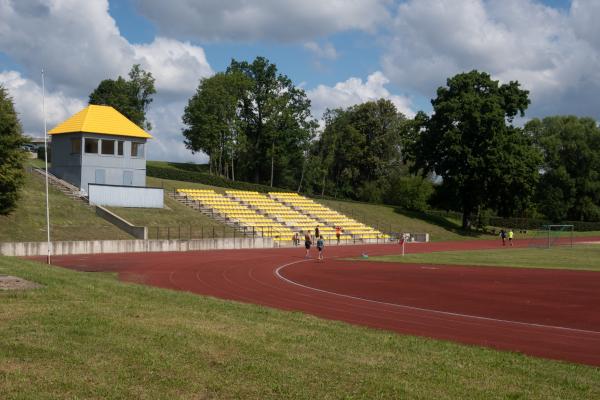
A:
x: 108, y: 147
x: 91, y: 146
x: 76, y: 146
x: 137, y: 149
x: 120, y: 145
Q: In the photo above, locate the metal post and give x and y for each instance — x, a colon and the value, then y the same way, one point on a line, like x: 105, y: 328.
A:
x: 46, y: 162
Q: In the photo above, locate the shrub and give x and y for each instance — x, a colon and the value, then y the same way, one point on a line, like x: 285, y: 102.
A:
x: 410, y: 192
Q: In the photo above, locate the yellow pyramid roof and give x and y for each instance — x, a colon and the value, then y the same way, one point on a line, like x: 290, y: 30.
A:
x: 100, y: 119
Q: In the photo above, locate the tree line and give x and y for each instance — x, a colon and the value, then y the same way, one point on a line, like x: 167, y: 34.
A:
x: 467, y: 155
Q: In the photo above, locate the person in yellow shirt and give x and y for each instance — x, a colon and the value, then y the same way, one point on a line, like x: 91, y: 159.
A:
x: 511, y: 234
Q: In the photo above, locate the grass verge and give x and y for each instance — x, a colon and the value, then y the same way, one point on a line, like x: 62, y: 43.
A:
x: 69, y: 219
x: 86, y: 335
x: 582, y: 257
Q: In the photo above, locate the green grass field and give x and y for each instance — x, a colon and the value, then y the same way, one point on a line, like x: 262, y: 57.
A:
x: 87, y: 335
x: 583, y: 257
x: 70, y: 219
x: 390, y: 218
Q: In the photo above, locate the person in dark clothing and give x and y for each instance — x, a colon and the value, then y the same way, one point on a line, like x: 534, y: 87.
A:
x: 307, y: 244
x: 320, y: 246
x: 503, y: 236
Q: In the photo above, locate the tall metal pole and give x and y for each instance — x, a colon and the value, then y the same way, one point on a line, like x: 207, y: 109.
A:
x: 46, y: 161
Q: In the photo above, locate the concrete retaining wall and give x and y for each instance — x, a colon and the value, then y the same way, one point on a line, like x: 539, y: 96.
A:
x: 138, y: 232
x: 28, y: 249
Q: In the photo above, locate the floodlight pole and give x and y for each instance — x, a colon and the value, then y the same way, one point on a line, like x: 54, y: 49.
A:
x: 48, y: 260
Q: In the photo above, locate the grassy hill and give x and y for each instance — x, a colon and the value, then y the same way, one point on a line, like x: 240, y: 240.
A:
x: 386, y: 218
x: 86, y: 335
x: 175, y: 219
x: 70, y: 219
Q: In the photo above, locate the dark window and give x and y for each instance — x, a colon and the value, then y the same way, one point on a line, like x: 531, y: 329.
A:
x: 76, y: 146
x: 120, y: 144
x: 137, y: 149
x: 108, y: 147
x: 91, y: 146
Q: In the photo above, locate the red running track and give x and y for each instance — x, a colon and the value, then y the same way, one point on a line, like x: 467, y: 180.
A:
x: 540, y: 312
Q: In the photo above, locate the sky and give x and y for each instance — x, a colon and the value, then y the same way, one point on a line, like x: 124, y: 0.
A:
x: 341, y: 52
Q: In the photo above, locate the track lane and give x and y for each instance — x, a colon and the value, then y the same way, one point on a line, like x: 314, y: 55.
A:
x: 250, y: 276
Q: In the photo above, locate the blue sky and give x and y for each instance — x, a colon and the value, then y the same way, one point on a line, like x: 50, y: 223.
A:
x: 342, y: 53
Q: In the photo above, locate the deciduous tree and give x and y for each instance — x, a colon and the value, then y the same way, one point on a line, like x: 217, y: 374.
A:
x: 483, y: 160
x: 570, y: 183
x: 11, y: 154
x: 130, y: 97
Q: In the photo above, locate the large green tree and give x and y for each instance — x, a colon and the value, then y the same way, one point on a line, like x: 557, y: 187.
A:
x: 569, y: 187
x: 276, y: 118
x: 11, y: 154
x: 260, y: 115
x: 359, y: 149
x: 212, y: 123
x: 469, y: 140
x: 130, y: 97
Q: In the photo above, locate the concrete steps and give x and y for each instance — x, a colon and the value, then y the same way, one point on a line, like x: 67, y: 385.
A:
x: 69, y: 190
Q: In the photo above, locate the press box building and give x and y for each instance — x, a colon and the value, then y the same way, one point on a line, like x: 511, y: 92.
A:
x: 99, y: 149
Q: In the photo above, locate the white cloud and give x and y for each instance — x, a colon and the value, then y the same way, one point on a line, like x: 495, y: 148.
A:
x: 27, y: 96
x: 271, y: 20
x: 166, y: 119
x: 326, y: 51
x: 79, y: 44
x: 555, y: 55
x: 176, y: 66
x: 355, y: 91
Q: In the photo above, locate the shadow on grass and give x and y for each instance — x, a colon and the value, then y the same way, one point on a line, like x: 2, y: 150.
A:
x: 442, y: 222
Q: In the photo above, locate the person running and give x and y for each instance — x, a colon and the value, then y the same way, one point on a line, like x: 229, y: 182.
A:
x: 307, y: 244
x: 317, y: 232
x: 510, y: 236
x: 503, y: 236
x: 338, y: 233
x: 296, y: 239
x: 320, y: 246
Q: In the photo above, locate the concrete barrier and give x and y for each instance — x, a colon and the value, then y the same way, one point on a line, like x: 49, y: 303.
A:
x: 138, y: 232
x: 31, y: 249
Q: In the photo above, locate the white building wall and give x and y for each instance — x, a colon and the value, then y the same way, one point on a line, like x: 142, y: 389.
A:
x: 126, y: 196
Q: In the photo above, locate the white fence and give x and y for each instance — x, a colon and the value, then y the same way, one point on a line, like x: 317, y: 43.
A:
x: 126, y: 196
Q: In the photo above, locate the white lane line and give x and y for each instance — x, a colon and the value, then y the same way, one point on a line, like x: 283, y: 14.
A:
x: 562, y: 328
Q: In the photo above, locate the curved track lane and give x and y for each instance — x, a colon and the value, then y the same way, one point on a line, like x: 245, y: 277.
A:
x: 546, y: 313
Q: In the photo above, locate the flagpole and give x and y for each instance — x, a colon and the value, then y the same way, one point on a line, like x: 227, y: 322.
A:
x: 46, y: 162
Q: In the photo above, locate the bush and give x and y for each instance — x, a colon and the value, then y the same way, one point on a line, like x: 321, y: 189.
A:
x: 371, y: 192
x: 204, y: 178
x: 41, y: 153
x: 409, y: 192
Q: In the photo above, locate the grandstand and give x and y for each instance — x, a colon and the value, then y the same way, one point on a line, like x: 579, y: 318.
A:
x: 278, y: 215
x: 246, y: 219
x: 328, y: 216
